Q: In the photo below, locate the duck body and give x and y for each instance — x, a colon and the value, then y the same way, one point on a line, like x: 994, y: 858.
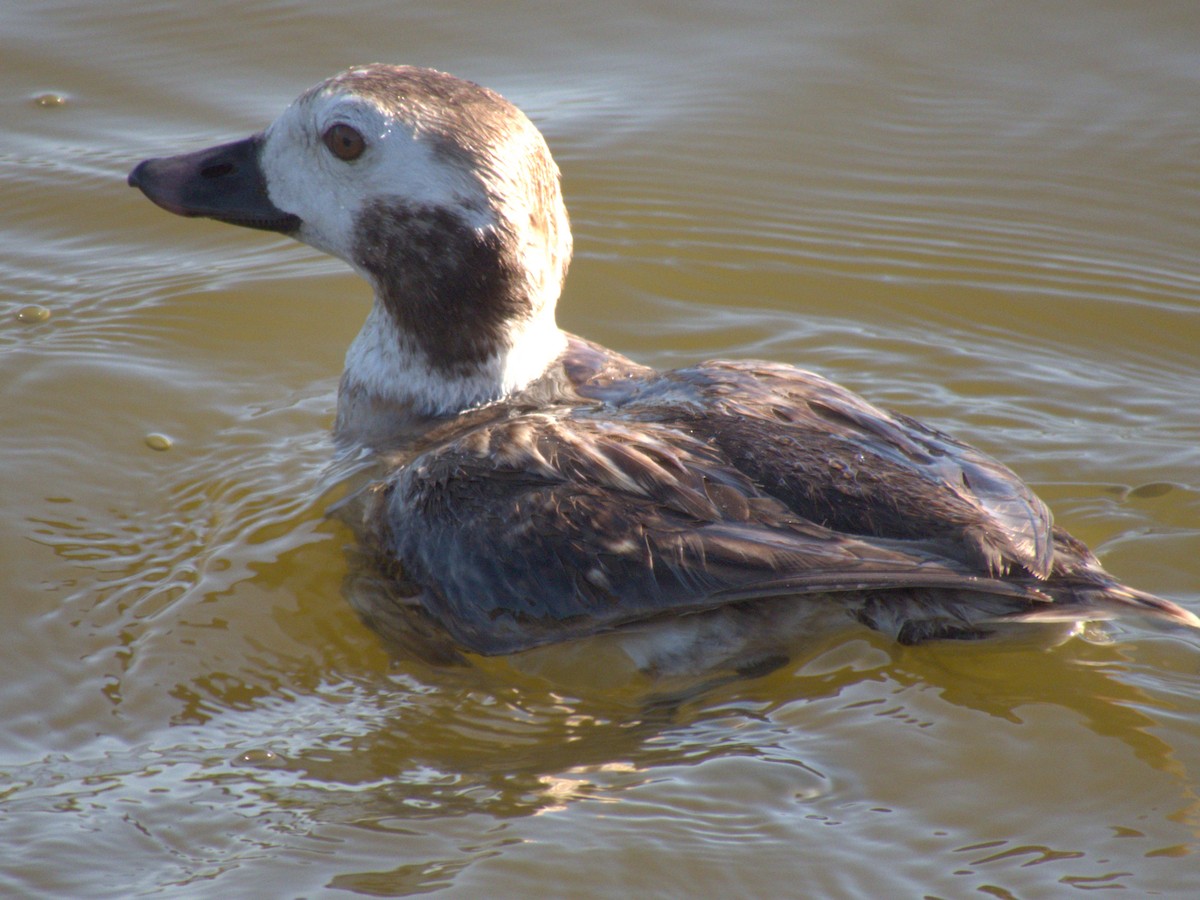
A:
x: 537, y: 488
x: 610, y: 496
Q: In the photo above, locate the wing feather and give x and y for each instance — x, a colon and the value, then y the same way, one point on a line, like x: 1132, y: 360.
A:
x: 836, y: 459
x: 545, y: 527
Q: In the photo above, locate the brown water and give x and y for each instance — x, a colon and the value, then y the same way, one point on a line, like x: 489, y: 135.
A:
x: 986, y: 215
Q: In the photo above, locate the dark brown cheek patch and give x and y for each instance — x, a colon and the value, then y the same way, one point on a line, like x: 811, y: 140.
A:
x: 452, y: 290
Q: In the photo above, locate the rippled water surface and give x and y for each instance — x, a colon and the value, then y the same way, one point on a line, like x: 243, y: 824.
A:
x: 986, y: 215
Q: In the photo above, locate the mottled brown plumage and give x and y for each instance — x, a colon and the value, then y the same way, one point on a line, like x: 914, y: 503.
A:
x: 615, y: 494
x: 539, y: 488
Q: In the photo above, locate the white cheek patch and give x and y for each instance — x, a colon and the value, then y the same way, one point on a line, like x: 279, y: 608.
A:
x: 299, y: 182
x: 305, y: 179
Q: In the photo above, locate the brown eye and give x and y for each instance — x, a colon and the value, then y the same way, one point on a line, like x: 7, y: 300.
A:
x: 344, y: 142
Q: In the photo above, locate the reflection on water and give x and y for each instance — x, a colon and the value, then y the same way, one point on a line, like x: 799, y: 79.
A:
x: 982, y: 217
x: 430, y: 771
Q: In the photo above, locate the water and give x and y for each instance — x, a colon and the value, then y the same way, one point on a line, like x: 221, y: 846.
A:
x: 983, y: 215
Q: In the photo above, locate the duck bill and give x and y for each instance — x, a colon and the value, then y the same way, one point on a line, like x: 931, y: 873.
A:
x: 225, y: 183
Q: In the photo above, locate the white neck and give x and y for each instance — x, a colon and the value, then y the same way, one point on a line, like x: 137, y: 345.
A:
x: 384, y: 367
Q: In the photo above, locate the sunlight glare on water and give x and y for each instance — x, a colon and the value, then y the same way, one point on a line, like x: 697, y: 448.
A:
x: 983, y: 216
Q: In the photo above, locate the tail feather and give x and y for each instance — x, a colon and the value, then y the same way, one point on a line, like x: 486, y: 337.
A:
x: 1110, y: 602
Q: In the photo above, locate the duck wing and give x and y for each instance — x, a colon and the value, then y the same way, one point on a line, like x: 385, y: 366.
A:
x: 836, y: 460
x: 547, y: 526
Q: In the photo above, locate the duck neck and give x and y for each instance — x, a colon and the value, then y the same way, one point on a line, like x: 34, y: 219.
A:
x: 463, y: 313
x: 391, y: 381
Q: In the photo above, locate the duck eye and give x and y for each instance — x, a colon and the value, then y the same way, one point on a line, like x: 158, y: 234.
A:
x: 344, y: 142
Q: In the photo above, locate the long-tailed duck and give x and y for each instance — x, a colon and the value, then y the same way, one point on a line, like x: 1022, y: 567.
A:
x: 538, y: 487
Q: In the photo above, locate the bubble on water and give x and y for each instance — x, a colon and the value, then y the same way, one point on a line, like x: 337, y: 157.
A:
x: 33, y: 314
x: 260, y: 756
x: 50, y: 100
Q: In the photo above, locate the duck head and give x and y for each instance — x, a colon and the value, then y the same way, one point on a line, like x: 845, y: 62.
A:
x: 441, y: 193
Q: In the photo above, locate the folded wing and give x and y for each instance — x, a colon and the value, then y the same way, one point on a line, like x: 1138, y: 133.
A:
x: 548, y: 526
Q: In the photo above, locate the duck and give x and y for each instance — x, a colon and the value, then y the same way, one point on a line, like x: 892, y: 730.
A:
x: 535, y: 487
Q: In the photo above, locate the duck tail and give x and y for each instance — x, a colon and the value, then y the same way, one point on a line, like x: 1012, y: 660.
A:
x: 1128, y: 601
x: 1113, y: 601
